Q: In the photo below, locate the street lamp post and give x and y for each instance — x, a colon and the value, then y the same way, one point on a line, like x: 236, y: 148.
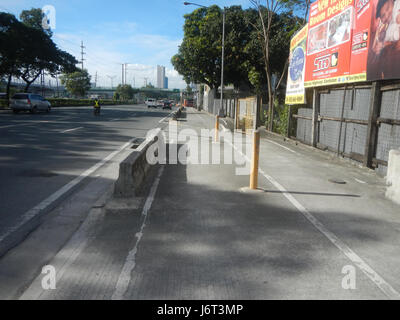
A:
x: 223, y: 50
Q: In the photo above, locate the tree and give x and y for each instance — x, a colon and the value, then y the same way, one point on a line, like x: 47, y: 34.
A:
x: 41, y: 53
x: 11, y: 47
x: 77, y: 83
x: 34, y: 18
x: 124, y: 92
x: 199, y: 56
x: 268, y: 15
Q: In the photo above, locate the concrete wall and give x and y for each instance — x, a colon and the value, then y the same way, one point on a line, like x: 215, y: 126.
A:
x: 133, y: 170
x: 393, y: 176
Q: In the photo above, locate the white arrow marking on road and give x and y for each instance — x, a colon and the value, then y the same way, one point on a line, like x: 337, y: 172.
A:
x: 70, y: 130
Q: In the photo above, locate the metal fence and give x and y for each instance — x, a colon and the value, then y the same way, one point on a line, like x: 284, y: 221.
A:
x: 348, y: 123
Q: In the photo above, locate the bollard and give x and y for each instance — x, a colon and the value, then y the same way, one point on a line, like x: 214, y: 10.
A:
x: 217, y: 129
x: 255, y: 161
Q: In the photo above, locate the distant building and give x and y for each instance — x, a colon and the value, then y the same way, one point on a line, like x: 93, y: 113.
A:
x: 160, y: 77
x: 165, y: 82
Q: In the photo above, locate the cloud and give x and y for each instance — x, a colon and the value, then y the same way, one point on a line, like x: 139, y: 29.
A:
x: 105, y: 56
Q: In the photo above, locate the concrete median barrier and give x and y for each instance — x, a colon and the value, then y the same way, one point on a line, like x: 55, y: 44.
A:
x: 393, y: 176
x: 133, y: 170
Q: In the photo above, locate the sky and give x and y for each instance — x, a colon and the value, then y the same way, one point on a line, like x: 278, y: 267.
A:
x: 143, y: 33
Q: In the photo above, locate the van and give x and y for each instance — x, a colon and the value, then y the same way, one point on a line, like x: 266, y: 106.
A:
x: 29, y: 102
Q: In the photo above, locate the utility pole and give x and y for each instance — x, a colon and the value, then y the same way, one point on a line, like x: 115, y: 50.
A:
x: 82, y: 53
x: 95, y: 80
x: 123, y: 73
x: 42, y: 83
x: 58, y: 94
x: 126, y: 73
x: 223, y: 60
x: 145, y: 82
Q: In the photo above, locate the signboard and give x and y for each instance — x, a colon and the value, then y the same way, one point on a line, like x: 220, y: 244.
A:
x: 329, y: 43
x: 295, y: 85
x: 384, y: 49
x: 348, y: 41
x: 361, y: 39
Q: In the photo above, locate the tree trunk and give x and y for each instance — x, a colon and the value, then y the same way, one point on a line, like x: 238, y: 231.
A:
x: 8, y: 89
x: 29, y: 83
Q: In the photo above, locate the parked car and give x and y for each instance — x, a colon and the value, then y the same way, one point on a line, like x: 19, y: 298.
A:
x: 167, y: 105
x: 151, y: 103
x: 160, y: 103
x: 29, y: 102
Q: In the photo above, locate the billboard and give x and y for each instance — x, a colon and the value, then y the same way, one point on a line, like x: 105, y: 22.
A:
x: 384, y: 50
x: 361, y: 39
x: 295, y: 84
x: 329, y: 43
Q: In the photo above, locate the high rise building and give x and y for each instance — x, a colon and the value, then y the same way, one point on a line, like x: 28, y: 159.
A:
x: 160, y: 77
x: 165, y: 82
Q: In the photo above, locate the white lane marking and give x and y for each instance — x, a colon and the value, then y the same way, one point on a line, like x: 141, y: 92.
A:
x: 360, y: 181
x: 15, y: 125
x: 278, y: 144
x: 385, y: 287
x: 24, y: 124
x: 163, y: 119
x: 130, y: 262
x: 225, y: 129
x: 32, y: 213
x: 67, y: 256
x: 70, y: 130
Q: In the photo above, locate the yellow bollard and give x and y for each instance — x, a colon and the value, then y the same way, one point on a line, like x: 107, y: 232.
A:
x: 217, y: 129
x: 255, y: 161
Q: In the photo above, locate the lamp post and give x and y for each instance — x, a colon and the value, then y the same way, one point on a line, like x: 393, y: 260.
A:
x: 223, y: 49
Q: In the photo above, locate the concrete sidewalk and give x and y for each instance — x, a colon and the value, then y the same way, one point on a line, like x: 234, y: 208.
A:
x: 194, y: 233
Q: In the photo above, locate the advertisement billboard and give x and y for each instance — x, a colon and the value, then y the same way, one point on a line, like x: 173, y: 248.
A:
x: 329, y: 43
x: 295, y: 84
x: 361, y: 39
x: 384, y: 49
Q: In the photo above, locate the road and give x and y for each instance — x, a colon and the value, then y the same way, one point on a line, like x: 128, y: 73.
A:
x: 198, y: 234
x: 41, y: 153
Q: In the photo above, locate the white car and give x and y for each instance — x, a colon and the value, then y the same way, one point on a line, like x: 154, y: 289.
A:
x: 29, y: 102
x: 151, y: 103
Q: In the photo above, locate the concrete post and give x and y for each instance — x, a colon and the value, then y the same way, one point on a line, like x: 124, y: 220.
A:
x: 255, y: 161
x: 217, y: 128
x: 372, y: 131
x: 314, y: 128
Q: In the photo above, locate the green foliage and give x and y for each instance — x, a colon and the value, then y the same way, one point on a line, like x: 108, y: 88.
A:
x: 26, y: 49
x: 199, y: 56
x: 76, y: 83
x: 33, y: 18
x: 124, y: 92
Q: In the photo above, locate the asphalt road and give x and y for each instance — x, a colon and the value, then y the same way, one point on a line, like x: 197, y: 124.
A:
x: 41, y: 153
